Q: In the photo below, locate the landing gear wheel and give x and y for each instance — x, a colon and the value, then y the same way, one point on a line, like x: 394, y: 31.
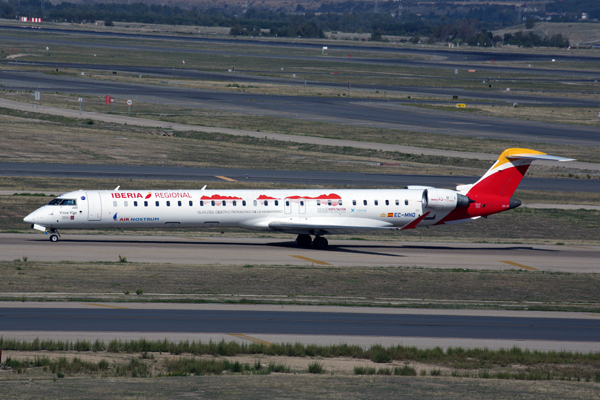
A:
x: 320, y: 243
x: 304, y: 240
x: 54, y: 238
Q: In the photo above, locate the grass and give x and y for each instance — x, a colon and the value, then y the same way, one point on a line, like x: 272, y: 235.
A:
x: 109, y: 150
x: 558, y: 115
x: 206, y: 358
x: 381, y: 286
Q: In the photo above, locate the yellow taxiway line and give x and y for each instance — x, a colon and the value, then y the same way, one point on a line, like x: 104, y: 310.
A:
x: 514, y: 264
x: 250, y: 338
x: 106, y: 305
x: 225, y: 178
x: 310, y: 260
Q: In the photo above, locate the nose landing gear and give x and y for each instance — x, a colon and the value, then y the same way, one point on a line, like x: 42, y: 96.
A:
x: 54, y: 235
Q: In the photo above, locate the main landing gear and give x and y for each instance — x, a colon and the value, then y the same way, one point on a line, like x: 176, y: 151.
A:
x: 54, y: 235
x: 305, y: 241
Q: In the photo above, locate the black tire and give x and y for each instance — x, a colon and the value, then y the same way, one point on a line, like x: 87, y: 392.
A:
x: 320, y: 243
x: 304, y: 240
x: 54, y: 238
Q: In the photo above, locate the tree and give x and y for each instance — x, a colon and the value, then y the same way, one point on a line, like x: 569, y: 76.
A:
x: 530, y: 23
x: 108, y: 22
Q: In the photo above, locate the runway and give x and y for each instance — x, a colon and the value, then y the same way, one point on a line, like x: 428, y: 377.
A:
x: 349, y: 111
x: 304, y: 324
x: 93, y: 171
x: 452, y: 55
x: 284, y: 251
x: 241, y: 75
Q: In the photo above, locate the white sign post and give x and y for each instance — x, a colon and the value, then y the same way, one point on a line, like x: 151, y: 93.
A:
x: 323, y: 50
x: 129, y: 103
x: 80, y: 100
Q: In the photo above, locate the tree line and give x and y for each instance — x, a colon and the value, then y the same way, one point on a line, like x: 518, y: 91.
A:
x: 471, y: 28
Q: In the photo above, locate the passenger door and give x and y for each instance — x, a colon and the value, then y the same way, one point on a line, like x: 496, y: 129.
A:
x: 94, y: 206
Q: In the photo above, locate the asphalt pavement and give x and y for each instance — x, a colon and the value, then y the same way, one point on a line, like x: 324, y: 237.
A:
x: 360, y: 112
x: 95, y: 171
x: 302, y: 323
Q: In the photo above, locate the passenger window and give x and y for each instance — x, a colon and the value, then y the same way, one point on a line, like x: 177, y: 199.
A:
x: 234, y: 203
x: 287, y: 203
x: 223, y: 202
x: 328, y: 202
x: 212, y: 203
x: 244, y: 203
x: 179, y: 203
x: 318, y: 202
x: 168, y: 204
x: 114, y: 203
x: 340, y: 202
x: 255, y: 203
x: 302, y: 203
x: 353, y: 202
x: 397, y: 202
x: 157, y: 203
x: 376, y: 202
x: 135, y: 203
x: 126, y: 203
x: 276, y: 202
x: 266, y: 202
x: 364, y: 202
x: 387, y: 202
x: 145, y: 204
x: 201, y: 203
x: 191, y: 203
x: 405, y: 202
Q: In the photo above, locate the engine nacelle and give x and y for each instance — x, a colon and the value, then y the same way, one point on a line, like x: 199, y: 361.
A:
x: 444, y: 199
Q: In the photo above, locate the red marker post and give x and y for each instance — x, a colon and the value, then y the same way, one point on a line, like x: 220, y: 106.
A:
x: 107, y: 102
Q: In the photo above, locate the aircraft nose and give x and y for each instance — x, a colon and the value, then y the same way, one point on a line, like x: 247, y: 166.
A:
x: 29, y: 219
x: 33, y: 217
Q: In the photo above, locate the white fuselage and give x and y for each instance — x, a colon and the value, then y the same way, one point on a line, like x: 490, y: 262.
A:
x: 294, y: 211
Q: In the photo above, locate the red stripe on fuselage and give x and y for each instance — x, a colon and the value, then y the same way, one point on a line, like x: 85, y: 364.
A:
x: 484, y: 205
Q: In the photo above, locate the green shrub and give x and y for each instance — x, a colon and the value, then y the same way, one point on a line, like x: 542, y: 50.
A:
x: 316, y: 368
x: 405, y: 371
x: 358, y: 370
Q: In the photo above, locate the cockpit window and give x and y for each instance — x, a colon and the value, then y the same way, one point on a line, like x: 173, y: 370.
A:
x: 63, y: 202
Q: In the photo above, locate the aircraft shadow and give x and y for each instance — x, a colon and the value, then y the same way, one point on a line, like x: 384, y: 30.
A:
x: 351, y: 248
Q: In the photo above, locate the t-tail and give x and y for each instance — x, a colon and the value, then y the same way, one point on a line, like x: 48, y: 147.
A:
x: 493, y: 192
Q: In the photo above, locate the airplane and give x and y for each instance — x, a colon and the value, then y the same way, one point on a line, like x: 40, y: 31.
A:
x: 307, y: 213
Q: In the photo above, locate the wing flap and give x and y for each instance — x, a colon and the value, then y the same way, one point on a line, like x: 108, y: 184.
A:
x: 329, y: 227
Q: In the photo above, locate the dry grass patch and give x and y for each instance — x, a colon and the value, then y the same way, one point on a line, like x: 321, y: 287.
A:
x: 394, y: 286
x: 223, y: 119
x: 558, y: 115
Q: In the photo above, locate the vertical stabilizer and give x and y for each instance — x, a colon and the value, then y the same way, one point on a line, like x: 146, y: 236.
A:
x: 506, y: 174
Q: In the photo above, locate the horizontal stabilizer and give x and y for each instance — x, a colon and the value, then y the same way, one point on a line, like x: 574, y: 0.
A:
x: 541, y: 157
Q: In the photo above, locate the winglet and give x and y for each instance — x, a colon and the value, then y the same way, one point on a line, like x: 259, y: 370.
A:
x: 413, y: 224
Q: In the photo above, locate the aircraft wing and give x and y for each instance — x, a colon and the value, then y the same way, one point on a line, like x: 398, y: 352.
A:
x: 327, y: 226
x: 323, y: 226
